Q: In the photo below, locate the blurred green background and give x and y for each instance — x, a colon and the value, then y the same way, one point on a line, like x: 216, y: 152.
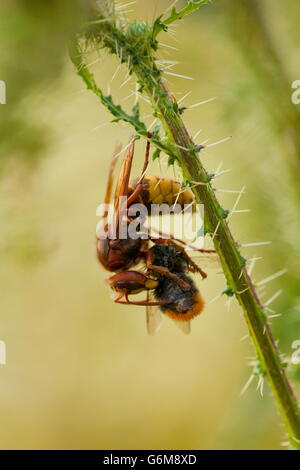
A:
x: 81, y: 371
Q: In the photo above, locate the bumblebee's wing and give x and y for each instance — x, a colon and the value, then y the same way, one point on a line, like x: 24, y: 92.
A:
x: 153, y: 318
x: 184, y: 326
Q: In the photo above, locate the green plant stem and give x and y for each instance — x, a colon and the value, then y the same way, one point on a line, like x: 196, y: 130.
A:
x: 175, y: 15
x: 180, y: 145
x: 236, y: 274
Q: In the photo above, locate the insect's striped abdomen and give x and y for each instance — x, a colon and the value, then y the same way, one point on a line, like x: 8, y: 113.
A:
x: 164, y: 191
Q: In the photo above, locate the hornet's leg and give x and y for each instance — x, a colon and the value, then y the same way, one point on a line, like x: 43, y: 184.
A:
x: 141, y: 302
x: 165, y: 272
x: 193, y: 267
x: 169, y: 237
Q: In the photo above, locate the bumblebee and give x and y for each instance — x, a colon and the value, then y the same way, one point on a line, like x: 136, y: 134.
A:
x: 180, y: 301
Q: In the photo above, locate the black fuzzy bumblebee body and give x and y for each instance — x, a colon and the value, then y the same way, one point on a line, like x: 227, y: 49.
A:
x: 168, y: 256
x: 184, y: 304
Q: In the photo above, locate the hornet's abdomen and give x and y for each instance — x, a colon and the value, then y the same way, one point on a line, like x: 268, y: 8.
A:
x: 164, y: 191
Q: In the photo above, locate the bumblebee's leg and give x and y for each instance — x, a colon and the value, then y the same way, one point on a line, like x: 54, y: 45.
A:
x: 196, y: 269
x: 165, y: 272
x: 193, y: 267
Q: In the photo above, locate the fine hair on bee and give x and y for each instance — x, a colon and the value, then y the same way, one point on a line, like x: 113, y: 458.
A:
x: 168, y: 256
x: 184, y: 304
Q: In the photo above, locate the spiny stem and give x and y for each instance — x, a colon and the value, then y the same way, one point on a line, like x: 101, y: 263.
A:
x: 136, y: 46
x: 175, y: 15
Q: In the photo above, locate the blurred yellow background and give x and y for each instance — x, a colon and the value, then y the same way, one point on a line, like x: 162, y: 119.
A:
x: 81, y: 371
